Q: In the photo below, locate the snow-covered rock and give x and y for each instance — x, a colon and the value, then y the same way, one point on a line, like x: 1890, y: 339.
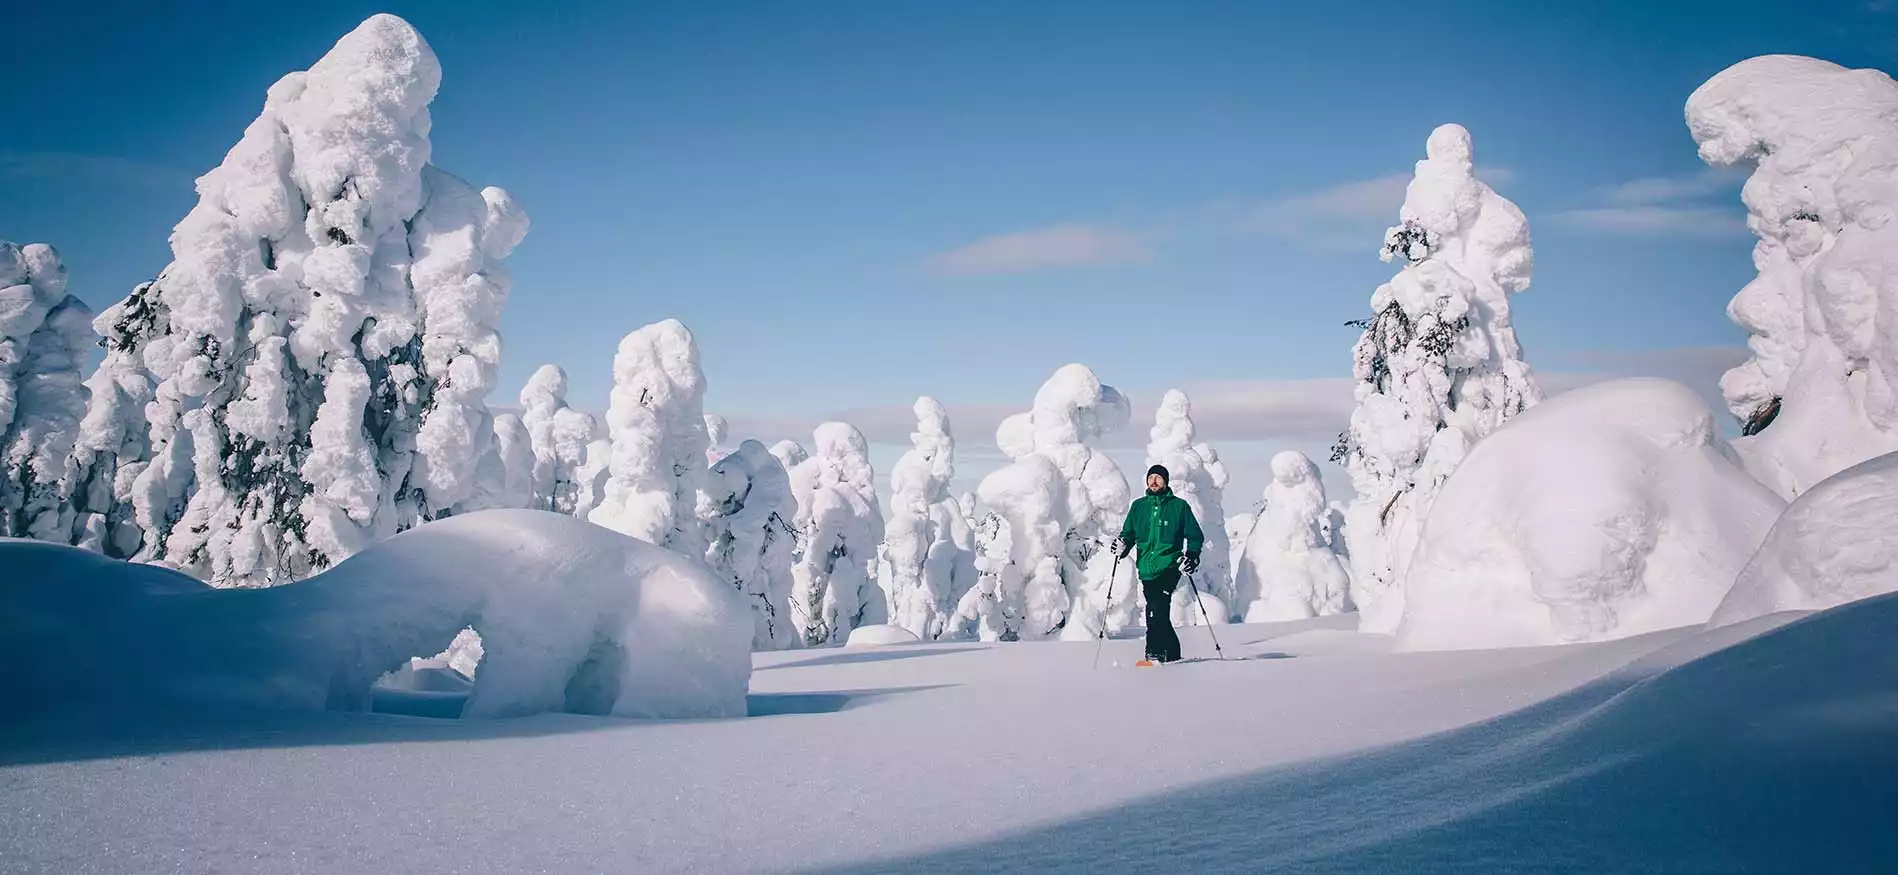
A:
x: 880, y: 635
x: 1199, y: 478
x: 308, y: 374
x: 840, y: 525
x: 560, y: 436
x: 1820, y: 392
x: 752, y: 539
x: 657, y: 422
x: 1835, y: 543
x: 571, y: 617
x: 43, y: 337
x: 1184, y: 612
x: 1607, y: 511
x: 1289, y: 570
x: 1438, y: 365
x: 930, y: 544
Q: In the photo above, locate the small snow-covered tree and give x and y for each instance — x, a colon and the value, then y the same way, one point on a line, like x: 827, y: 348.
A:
x: 657, y: 422
x: 43, y: 333
x: 840, y: 525
x: 1289, y: 570
x: 505, y: 475
x: 930, y: 546
x: 1438, y: 365
x: 716, y: 430
x: 1198, y: 478
x: 1056, y: 584
x: 310, y: 367
x: 1819, y: 392
x: 752, y: 538
x: 559, y: 436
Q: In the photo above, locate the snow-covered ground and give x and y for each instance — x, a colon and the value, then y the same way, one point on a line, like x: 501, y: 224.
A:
x: 1314, y: 749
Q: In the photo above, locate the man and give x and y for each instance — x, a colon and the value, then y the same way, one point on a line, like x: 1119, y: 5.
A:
x: 1160, y: 525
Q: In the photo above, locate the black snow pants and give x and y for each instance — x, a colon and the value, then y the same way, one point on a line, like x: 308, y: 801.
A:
x: 1163, y: 644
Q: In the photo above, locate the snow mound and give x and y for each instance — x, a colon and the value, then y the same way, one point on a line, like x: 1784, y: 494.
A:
x: 880, y: 635
x: 571, y: 617
x: 1607, y: 511
x: 1211, y: 607
x: 1834, y: 544
x: 1290, y: 569
x: 1820, y: 392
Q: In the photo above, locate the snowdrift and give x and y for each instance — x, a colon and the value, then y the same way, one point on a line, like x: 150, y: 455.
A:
x: 1604, y: 512
x: 1834, y: 544
x: 571, y: 616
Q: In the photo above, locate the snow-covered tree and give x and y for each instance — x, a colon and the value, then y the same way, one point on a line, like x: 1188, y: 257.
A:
x: 312, y: 363
x: 789, y: 453
x: 43, y: 335
x: 1058, y: 524
x: 1289, y: 570
x: 716, y: 431
x: 752, y: 539
x: 657, y: 421
x: 1820, y: 390
x: 505, y: 476
x: 1199, y: 478
x: 559, y: 436
x: 1438, y: 365
x: 930, y: 545
x: 840, y: 525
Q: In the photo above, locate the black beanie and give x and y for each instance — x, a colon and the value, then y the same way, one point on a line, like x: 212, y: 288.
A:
x: 1160, y: 470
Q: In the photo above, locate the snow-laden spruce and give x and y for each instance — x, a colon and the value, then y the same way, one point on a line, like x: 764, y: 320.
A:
x: 1060, y: 502
x: 1611, y: 510
x: 1820, y: 391
x: 657, y: 421
x: 717, y: 429
x: 1289, y: 570
x: 1438, y: 365
x: 310, y: 367
x: 1198, y: 477
x: 840, y: 525
x: 560, y: 436
x: 44, y: 333
x: 929, y: 543
x: 752, y: 540
x: 504, y: 478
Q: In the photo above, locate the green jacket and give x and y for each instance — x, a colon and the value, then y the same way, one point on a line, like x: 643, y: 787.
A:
x: 1157, y: 525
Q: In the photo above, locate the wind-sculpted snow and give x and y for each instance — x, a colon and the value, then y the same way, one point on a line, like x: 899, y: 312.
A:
x: 571, y: 617
x: 1835, y: 543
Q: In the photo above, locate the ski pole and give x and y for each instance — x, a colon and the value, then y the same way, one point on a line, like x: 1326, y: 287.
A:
x: 1209, y: 618
x: 1101, y: 637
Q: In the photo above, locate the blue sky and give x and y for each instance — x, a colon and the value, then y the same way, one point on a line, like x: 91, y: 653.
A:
x: 852, y: 203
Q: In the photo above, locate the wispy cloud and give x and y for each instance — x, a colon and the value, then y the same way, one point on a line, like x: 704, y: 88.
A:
x: 1068, y: 245
x: 1673, y: 206
x: 96, y: 169
x: 1349, y: 215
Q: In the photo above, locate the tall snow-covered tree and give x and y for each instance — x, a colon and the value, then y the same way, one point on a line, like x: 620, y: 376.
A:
x: 657, y: 421
x: 1438, y: 365
x: 930, y: 545
x: 752, y: 539
x: 559, y: 436
x: 840, y: 525
x: 312, y: 362
x: 43, y: 335
x: 1290, y: 570
x: 1819, y: 392
x: 1061, y: 500
x: 1198, y: 478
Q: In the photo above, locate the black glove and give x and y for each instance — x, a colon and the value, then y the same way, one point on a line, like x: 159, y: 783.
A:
x: 1120, y: 548
x: 1189, y: 563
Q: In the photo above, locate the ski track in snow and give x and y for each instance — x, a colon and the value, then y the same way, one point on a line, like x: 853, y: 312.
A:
x: 967, y: 756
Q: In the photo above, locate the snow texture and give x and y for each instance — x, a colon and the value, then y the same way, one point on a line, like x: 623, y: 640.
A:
x: 570, y: 616
x: 930, y: 544
x: 1608, y: 511
x: 882, y: 635
x: 1820, y: 392
x: 308, y: 372
x: 560, y: 436
x: 43, y: 337
x: 1061, y: 501
x: 1438, y: 366
x: 1289, y: 570
x: 752, y: 541
x: 1198, y: 477
x: 840, y: 524
x: 1834, y: 544
x: 657, y: 422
